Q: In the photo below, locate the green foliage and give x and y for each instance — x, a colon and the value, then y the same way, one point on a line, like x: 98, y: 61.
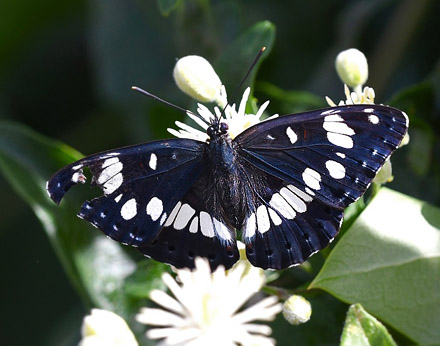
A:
x: 362, y: 329
x: 66, y: 70
x: 389, y: 261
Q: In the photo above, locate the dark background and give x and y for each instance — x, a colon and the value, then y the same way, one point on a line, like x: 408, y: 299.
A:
x: 66, y: 68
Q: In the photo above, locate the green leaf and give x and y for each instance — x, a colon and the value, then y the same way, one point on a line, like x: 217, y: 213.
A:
x: 389, y: 261
x: 362, y: 329
x: 97, y: 266
x: 238, y: 57
x: 290, y: 101
x: 167, y: 6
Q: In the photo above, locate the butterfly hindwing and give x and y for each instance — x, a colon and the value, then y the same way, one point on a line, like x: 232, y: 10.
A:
x: 141, y: 186
x: 286, y: 226
x: 315, y: 164
x: 195, y: 228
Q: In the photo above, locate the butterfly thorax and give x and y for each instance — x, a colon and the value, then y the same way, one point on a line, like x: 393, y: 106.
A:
x: 228, y: 185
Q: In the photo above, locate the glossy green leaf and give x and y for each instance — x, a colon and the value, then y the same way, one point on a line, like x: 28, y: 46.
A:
x: 167, y: 6
x: 362, y: 329
x: 290, y: 101
x: 389, y: 261
x: 238, y: 56
x: 97, y: 266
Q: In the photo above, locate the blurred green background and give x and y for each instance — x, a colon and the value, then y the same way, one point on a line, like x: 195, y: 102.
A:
x: 66, y: 68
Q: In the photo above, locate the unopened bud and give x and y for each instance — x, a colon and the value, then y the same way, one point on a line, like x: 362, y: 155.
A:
x: 352, y: 67
x: 196, y: 77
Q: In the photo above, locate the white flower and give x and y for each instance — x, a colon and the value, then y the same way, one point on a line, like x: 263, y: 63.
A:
x: 205, y: 308
x: 297, y: 310
x: 352, y: 67
x: 105, y: 328
x: 237, y: 121
x: 365, y: 96
x: 196, y: 77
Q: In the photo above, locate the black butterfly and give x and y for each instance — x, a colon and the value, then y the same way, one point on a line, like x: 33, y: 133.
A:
x: 282, y: 183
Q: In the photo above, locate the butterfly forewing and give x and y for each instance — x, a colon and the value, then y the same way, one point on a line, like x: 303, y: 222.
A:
x: 319, y: 162
x: 141, y: 185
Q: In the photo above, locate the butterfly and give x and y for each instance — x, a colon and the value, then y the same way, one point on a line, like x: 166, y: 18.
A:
x: 281, y: 185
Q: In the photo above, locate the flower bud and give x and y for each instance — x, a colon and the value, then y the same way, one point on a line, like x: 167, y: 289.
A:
x: 297, y: 310
x: 105, y: 328
x: 196, y: 77
x: 352, y: 67
x: 385, y: 174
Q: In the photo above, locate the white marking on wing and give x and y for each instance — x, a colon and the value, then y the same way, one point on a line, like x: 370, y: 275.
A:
x: 185, y: 214
x: 274, y: 216
x: 173, y: 214
x: 221, y: 230
x: 263, y: 222
x: 279, y: 204
x: 113, y: 184
x: 297, y: 203
x: 340, y: 140
x: 335, y: 169
x: 153, y: 161
x: 129, y: 209
x: 374, y: 119
x: 154, y: 208
x: 292, y: 135
x: 312, y: 178
x: 306, y: 197
x: 193, y: 228
x: 206, y: 224
x: 250, y: 226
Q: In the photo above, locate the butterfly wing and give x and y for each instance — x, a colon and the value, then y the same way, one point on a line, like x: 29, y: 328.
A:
x: 141, y: 185
x: 195, y: 228
x: 318, y: 163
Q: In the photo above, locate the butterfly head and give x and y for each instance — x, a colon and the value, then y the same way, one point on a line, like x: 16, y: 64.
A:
x: 217, y: 128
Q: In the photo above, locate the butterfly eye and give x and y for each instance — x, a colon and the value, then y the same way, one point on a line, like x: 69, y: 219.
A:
x: 224, y: 127
x: 210, y: 131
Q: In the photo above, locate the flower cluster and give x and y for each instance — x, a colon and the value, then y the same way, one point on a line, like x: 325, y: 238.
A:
x: 207, y: 307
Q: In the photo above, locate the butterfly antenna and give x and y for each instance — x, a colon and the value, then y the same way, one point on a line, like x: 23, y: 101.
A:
x: 234, y: 94
x: 157, y: 98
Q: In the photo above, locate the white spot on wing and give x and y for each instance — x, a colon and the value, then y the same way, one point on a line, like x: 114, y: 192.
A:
x: 297, y: 203
x: 312, y: 178
x: 185, y: 214
x: 338, y: 127
x: 111, y: 168
x: 173, y: 214
x: 340, y: 140
x: 163, y: 218
x: 153, y: 161
x: 193, y: 228
x: 335, y: 169
x: 341, y: 155
x: 206, y: 224
x: 279, y: 203
x: 373, y: 119
x: 306, y: 197
x: 274, y: 216
x: 129, y: 209
x: 221, y: 230
x: 113, y: 184
x: 75, y: 168
x: 369, y: 110
x: 333, y: 117
x: 262, y: 219
x: 250, y: 226
x: 292, y: 135
x: 154, y: 208
x: 118, y: 198
x: 110, y: 162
